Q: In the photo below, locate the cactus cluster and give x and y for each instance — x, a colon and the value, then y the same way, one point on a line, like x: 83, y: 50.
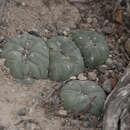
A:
x: 29, y: 57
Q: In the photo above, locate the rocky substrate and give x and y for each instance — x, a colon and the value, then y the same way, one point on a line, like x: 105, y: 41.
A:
x: 90, y: 15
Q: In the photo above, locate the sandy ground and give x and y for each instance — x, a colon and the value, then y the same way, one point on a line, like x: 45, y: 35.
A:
x: 41, y: 15
x: 44, y: 17
x: 15, y: 97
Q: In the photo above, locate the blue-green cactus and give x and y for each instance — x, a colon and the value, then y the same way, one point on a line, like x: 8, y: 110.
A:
x: 65, y: 58
x: 27, y: 58
x: 79, y: 95
x: 93, y: 47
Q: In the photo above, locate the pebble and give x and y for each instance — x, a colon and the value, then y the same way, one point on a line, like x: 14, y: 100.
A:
x: 23, y: 3
x: 2, y: 61
x: 114, y: 66
x: 86, y: 124
x: 42, y: 94
x: 92, y: 76
x: 22, y: 112
x: 110, y: 56
x: 73, y: 77
x: 104, y: 66
x: 33, y: 32
x: 95, y: 20
x: 109, y: 61
x: 107, y: 86
x: 89, y: 20
x: 120, y: 66
x: 106, y: 22
x: 62, y: 112
x: 101, y: 69
x: 1, y: 38
x: 46, y: 31
x: 65, y: 33
x: 82, y: 77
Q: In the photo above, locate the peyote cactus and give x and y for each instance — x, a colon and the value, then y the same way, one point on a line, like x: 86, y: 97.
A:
x: 80, y: 95
x: 27, y: 58
x: 65, y: 58
x: 93, y: 47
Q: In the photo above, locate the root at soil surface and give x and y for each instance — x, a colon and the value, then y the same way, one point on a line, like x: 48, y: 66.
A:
x: 117, y: 107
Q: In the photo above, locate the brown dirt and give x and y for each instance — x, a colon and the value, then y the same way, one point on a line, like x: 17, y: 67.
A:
x: 39, y: 15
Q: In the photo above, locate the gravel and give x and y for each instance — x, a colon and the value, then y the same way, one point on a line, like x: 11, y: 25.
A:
x: 107, y: 86
x: 22, y: 112
x: 92, y: 76
x: 82, y: 77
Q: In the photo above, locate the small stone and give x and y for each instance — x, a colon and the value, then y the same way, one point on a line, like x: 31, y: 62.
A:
x: 127, y: 46
x: 86, y: 124
x: 22, y: 112
x: 89, y: 20
x: 1, y: 38
x: 46, y: 31
x: 73, y: 77
x: 95, y: 20
x: 81, y: 76
x: 65, y: 33
x: 33, y: 32
x: 104, y: 66
x: 62, y: 112
x: 110, y: 56
x: 114, y: 66
x: 44, y: 38
x: 106, y: 22
x: 23, y: 3
x: 107, y: 85
x: 42, y: 94
x: 101, y: 70
x: 107, y: 30
x: 2, y: 61
x: 109, y: 61
x: 92, y: 76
